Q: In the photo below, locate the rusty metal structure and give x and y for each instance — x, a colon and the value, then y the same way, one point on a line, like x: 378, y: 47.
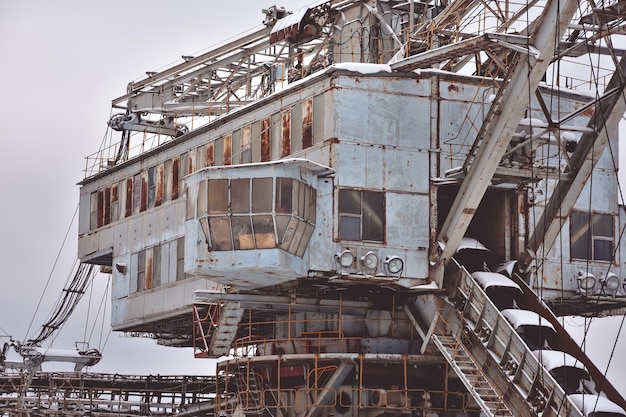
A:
x: 373, y: 208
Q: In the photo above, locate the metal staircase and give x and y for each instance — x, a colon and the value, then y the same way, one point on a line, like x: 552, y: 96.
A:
x: 464, y: 365
x: 249, y: 392
x: 226, y: 329
x: 489, y: 357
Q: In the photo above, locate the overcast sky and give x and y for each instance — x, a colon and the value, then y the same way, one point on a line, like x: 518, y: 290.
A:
x: 62, y: 63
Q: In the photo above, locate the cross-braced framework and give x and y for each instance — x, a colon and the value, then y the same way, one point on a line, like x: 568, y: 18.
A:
x: 79, y: 394
x: 465, y: 36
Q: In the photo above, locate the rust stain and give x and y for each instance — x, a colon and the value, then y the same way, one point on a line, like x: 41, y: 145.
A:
x: 469, y: 211
x: 210, y: 154
x: 587, y: 112
x: 144, y: 191
x: 191, y: 161
x: 128, y: 210
x: 159, y: 185
x: 286, y: 134
x: 148, y: 269
x: 265, y: 140
x: 175, y: 177
x: 228, y: 149
x: 307, y: 124
x: 455, y: 88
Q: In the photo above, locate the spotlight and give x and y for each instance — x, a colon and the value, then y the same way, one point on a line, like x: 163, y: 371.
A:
x: 369, y: 262
x: 344, y: 260
x: 586, y: 283
x: 610, y: 284
x: 394, y: 265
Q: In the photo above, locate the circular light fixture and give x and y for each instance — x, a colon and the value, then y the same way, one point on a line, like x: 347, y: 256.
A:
x: 369, y: 262
x: 612, y: 281
x: 345, y: 258
x: 586, y: 281
x: 394, y: 264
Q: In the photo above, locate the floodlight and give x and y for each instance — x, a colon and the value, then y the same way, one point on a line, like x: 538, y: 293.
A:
x: 586, y: 282
x: 394, y: 265
x: 344, y: 260
x: 369, y: 262
x: 610, y: 284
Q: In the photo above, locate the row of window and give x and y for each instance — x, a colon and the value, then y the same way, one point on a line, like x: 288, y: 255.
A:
x: 264, y: 140
x: 153, y: 261
x: 255, y: 213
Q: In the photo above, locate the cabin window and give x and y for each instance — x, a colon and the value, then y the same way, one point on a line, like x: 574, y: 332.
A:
x: 591, y: 236
x: 141, y: 270
x: 361, y: 215
x: 246, y: 144
x: 257, y: 213
x: 156, y: 266
x: 93, y: 211
x: 151, y: 186
x: 180, y: 259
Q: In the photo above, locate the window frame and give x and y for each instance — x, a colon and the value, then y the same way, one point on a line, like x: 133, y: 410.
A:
x: 585, y: 231
x: 361, y: 216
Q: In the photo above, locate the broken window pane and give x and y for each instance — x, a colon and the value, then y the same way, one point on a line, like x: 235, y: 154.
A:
x: 283, y: 195
x: 221, y: 238
x: 264, y: 231
x: 242, y: 232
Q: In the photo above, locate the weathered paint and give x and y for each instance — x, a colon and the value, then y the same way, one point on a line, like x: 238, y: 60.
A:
x: 228, y: 149
x: 265, y: 140
x: 307, y: 123
x: 286, y: 134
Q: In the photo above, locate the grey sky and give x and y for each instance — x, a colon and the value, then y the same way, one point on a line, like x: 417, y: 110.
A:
x: 62, y: 63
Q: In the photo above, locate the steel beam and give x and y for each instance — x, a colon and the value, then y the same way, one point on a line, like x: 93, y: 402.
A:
x: 603, y: 123
x: 498, y: 128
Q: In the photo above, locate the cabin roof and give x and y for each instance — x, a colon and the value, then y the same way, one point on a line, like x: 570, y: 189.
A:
x: 494, y: 279
x: 552, y: 359
x: 519, y: 318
